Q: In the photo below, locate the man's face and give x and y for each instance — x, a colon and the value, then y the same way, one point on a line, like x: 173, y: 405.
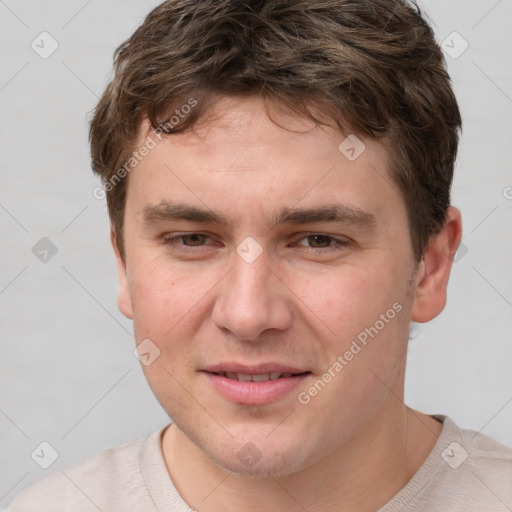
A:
x: 299, y: 296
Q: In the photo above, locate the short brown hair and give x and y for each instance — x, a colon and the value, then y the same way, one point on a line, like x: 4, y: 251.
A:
x: 372, y: 66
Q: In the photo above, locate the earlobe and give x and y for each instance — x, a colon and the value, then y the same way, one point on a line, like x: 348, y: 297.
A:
x: 434, y: 270
x: 123, y: 295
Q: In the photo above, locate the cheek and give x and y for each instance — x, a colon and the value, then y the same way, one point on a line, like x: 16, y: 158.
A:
x: 167, y: 302
x: 347, y: 299
x: 165, y: 307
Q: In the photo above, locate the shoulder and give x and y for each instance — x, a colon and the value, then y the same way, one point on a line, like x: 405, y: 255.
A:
x: 98, y: 482
x: 466, y: 470
x: 477, y: 453
x: 487, y: 463
x: 473, y: 470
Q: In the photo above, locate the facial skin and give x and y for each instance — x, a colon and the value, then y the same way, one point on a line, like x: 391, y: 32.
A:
x: 298, y: 303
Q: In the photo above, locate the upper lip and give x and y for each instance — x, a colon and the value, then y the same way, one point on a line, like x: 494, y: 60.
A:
x: 253, y: 369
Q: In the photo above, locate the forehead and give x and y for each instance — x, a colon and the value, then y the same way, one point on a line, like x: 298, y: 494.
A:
x: 236, y: 154
x: 239, y: 124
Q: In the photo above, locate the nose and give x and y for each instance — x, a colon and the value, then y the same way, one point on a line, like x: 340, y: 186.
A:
x: 251, y: 300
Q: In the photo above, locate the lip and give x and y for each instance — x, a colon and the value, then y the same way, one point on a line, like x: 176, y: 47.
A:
x: 250, y: 392
x: 253, y: 369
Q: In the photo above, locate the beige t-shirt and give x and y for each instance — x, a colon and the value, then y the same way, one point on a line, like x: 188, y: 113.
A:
x: 465, y: 471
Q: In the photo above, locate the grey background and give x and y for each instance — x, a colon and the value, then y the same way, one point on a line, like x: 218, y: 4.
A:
x: 67, y: 372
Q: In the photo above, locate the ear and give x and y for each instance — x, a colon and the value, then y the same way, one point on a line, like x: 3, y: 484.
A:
x: 123, y: 294
x: 434, y: 270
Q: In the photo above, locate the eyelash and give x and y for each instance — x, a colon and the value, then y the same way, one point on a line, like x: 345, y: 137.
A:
x: 337, y: 245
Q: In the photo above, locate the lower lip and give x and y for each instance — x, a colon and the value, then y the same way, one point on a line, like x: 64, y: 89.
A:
x: 255, y: 393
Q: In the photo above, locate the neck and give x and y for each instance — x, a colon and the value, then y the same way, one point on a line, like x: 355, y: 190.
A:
x: 381, y: 458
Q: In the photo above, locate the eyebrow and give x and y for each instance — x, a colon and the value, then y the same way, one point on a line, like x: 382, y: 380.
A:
x: 166, y: 210
x: 335, y: 213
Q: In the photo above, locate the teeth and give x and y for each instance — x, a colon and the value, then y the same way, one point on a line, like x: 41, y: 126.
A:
x: 261, y: 377
x: 258, y: 378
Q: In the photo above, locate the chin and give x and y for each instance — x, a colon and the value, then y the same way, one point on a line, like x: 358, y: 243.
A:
x: 275, y: 465
x: 252, y: 450
x: 262, y: 457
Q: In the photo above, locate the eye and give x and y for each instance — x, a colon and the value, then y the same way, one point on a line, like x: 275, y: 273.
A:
x: 319, y: 240
x: 194, y: 239
x: 188, y: 239
x: 324, y: 243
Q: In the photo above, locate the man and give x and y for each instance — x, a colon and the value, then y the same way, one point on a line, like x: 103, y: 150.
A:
x: 278, y: 179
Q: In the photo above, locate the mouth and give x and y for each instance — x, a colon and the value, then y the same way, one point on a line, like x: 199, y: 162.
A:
x: 258, y: 377
x: 254, y: 385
